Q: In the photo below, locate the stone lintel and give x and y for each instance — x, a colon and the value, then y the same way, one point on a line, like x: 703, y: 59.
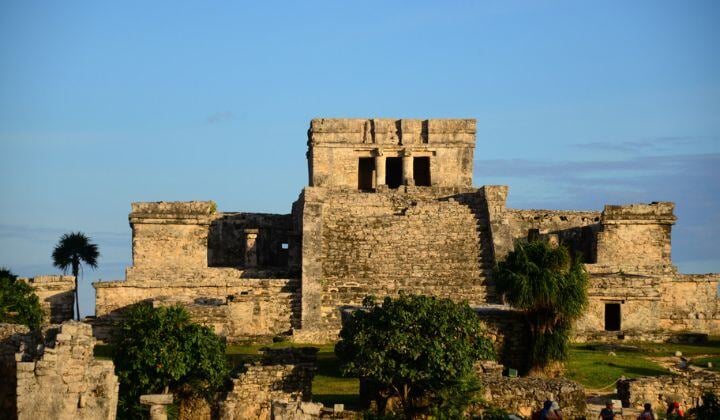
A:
x: 156, y: 399
x: 173, y: 212
x: 654, y: 213
x: 391, y: 131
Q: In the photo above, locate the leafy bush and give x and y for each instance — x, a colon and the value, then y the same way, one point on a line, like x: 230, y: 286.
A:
x: 18, y: 302
x: 418, y: 348
x: 158, y: 350
x: 551, y: 288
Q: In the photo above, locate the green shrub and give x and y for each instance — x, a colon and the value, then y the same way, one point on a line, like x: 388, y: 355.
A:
x: 418, y: 348
x: 158, y: 350
x: 18, y: 302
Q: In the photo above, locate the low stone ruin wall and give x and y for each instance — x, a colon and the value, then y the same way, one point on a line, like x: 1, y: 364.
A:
x: 283, y: 374
x: 66, y: 381
x: 14, y: 338
x: 56, y: 294
x: 526, y: 395
x: 660, y: 390
x: 234, y: 307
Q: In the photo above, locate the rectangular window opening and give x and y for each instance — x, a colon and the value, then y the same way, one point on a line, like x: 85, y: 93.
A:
x: 421, y: 171
x: 612, y: 317
x: 393, y: 172
x: 366, y: 174
x: 284, y: 245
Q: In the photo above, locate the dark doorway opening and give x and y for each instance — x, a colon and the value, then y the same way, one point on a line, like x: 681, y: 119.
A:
x: 366, y: 173
x: 393, y: 172
x: 421, y: 171
x: 612, y: 317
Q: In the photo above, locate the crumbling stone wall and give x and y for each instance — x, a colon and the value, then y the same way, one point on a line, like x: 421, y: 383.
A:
x: 690, y: 303
x: 227, y: 240
x: 56, y: 294
x: 235, y: 307
x: 659, y: 390
x: 636, y: 235
x: 575, y: 229
x: 283, y: 374
x: 433, y: 242
x: 14, y: 338
x: 527, y: 394
x: 67, y: 382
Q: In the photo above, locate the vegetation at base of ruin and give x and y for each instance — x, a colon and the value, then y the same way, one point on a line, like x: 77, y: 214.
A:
x: 72, y: 251
x: 329, y: 385
x: 159, y: 350
x: 18, y: 302
x: 551, y: 288
x: 420, y: 349
x: 709, y: 410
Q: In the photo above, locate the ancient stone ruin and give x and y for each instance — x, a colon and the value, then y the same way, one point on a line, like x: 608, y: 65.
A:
x: 390, y: 207
x: 57, y: 377
x: 56, y: 294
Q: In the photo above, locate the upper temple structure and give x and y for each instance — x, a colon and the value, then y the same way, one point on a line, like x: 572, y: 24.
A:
x: 390, y: 207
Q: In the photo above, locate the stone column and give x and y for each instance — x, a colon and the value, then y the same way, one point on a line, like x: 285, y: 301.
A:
x: 379, y: 168
x: 407, y: 162
x: 251, y: 257
x: 158, y: 405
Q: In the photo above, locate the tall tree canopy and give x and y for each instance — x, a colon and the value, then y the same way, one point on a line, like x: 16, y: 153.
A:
x: 18, y: 302
x: 551, y: 288
x: 414, y: 347
x: 72, y: 250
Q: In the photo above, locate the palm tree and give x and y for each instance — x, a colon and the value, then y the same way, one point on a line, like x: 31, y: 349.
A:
x: 550, y: 287
x: 71, y: 251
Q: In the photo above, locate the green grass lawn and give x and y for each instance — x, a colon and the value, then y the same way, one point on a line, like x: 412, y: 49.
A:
x: 703, y: 361
x: 598, y: 369
x: 594, y: 367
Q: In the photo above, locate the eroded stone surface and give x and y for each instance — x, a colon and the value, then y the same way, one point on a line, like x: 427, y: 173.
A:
x: 66, y: 381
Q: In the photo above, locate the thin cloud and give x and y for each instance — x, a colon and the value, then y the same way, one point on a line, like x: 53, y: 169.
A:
x: 648, y: 145
x: 219, y: 117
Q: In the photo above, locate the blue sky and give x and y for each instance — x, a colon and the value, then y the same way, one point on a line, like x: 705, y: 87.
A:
x: 578, y: 104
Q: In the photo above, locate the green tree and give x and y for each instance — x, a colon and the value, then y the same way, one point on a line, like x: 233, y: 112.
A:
x: 551, y: 288
x: 415, y: 348
x: 159, y: 350
x: 73, y: 250
x: 18, y: 302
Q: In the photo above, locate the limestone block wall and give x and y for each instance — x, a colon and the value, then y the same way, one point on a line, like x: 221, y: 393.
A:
x: 575, y: 229
x: 659, y: 390
x: 283, y: 374
x: 690, y: 303
x: 336, y: 144
x: 638, y: 295
x: 507, y: 329
x: 56, y: 294
x: 14, y: 338
x: 636, y: 235
x: 171, y: 234
x: 358, y: 244
x: 235, y: 307
x: 526, y: 395
x: 227, y: 243
x: 67, y: 382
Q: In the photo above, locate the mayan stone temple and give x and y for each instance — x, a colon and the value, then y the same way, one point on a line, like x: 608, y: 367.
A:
x: 390, y: 207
